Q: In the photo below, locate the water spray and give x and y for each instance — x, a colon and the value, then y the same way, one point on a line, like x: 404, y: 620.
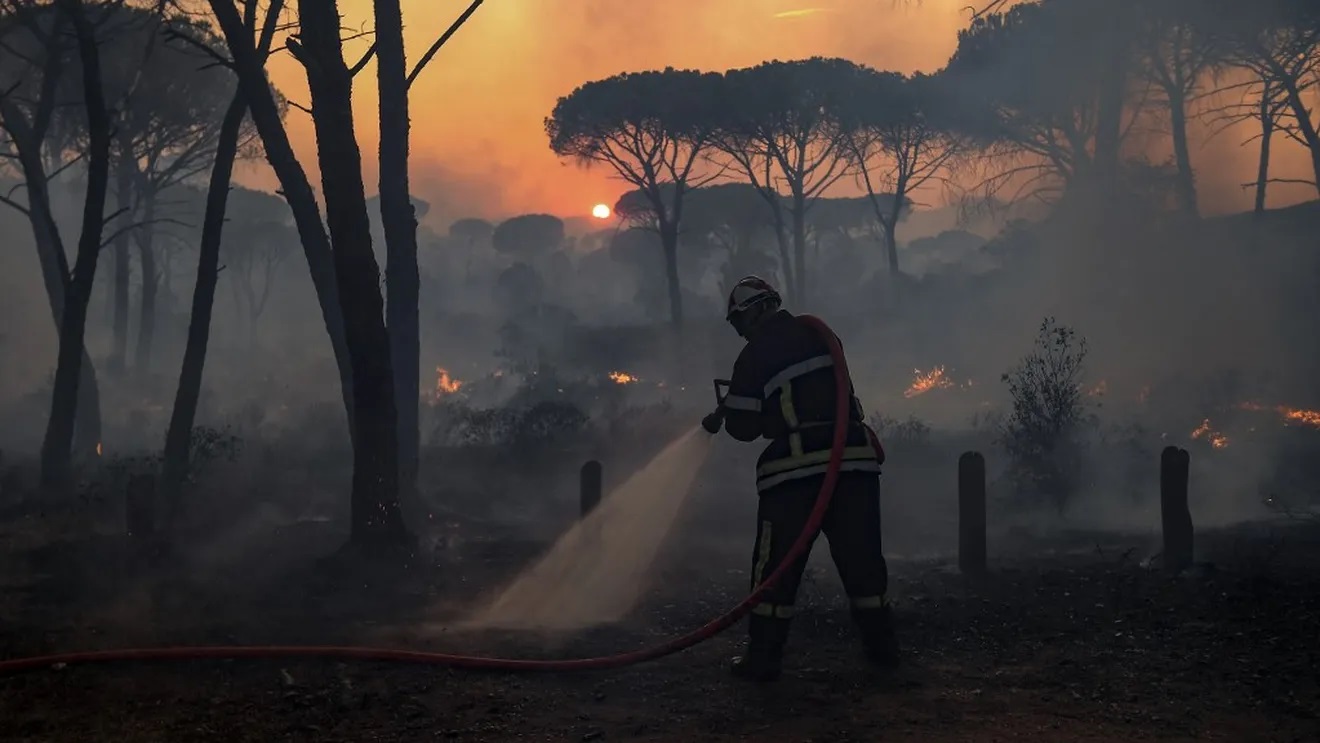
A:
x: 677, y: 644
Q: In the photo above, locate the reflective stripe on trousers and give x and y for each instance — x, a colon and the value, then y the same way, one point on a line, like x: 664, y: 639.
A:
x: 764, y: 609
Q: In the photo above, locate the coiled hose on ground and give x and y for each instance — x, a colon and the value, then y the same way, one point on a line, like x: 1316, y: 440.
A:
x: 709, y: 630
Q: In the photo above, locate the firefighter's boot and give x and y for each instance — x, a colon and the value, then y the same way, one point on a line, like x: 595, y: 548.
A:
x: 765, y: 649
x: 877, y: 629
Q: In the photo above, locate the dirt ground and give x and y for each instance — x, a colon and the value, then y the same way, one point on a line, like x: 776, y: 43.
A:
x: 1054, y: 645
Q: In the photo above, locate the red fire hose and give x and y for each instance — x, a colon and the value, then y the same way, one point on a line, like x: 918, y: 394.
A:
x: 712, y: 628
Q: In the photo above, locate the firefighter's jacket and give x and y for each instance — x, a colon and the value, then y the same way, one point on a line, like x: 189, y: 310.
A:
x: 783, y: 389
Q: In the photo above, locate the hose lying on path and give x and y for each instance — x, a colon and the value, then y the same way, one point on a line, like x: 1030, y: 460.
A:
x: 677, y: 644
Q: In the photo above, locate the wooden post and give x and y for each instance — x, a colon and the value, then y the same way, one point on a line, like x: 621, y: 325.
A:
x: 590, y: 484
x: 971, y: 513
x: 1175, y: 515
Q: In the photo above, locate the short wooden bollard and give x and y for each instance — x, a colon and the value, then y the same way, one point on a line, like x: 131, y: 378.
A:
x: 1175, y: 515
x: 590, y: 485
x: 971, y: 513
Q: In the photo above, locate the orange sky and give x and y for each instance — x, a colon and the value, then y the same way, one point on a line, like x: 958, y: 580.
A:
x: 478, y: 147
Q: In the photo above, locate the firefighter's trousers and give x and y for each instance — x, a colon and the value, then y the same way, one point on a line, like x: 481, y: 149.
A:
x: 852, y: 526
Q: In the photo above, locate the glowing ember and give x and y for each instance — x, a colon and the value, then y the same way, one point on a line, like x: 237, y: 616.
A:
x: 1099, y: 389
x: 445, y: 384
x: 98, y: 448
x: 619, y: 377
x: 1305, y: 417
x: 1217, y: 439
x: 925, y: 382
x: 1289, y: 415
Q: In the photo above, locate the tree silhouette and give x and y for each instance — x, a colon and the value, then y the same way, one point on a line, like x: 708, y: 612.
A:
x: 734, y: 216
x: 898, y: 139
x: 64, y: 34
x: 1034, y: 87
x: 1279, y: 42
x: 779, y: 127
x: 178, y: 437
x: 471, y: 233
x: 1174, y: 55
x: 651, y: 128
x: 33, y: 111
x: 170, y: 101
x: 529, y: 237
x: 249, y: 64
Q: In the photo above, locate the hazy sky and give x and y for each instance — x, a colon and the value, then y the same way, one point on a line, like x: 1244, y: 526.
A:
x: 478, y: 143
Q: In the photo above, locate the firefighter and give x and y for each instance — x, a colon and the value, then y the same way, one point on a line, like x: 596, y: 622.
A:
x: 783, y: 389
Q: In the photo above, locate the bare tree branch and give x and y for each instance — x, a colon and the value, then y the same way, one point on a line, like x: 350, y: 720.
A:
x: 453, y: 29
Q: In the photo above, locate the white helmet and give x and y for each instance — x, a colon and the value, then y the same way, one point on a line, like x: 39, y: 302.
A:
x: 749, y: 292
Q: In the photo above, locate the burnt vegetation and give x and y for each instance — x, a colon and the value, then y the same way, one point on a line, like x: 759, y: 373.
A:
x: 311, y: 408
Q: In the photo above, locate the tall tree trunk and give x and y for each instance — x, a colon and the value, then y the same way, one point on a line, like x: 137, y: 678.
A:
x: 150, y: 285
x: 1305, y: 127
x: 178, y: 438
x: 669, y: 243
x: 297, y: 189
x: 799, y: 214
x: 785, y: 257
x: 55, y: 274
x: 1266, y: 114
x: 377, y: 519
x: 1182, y: 154
x: 399, y: 221
x: 124, y: 172
x: 1109, y: 115
x: 57, y: 446
x: 889, y: 228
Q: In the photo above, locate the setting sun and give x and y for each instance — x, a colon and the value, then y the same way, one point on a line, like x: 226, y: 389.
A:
x: 601, y: 211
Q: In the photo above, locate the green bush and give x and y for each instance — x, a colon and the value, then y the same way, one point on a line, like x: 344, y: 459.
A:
x: 1044, y: 432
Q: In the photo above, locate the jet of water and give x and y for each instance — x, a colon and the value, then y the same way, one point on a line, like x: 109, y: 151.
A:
x: 596, y: 572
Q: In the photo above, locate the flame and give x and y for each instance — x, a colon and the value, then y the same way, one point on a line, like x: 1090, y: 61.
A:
x: 1216, y: 438
x: 1099, y: 389
x: 1289, y: 414
x: 98, y: 448
x: 619, y: 377
x: 933, y: 379
x: 445, y: 384
x: 1305, y: 417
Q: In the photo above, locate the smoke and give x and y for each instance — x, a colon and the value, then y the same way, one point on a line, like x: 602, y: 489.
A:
x: 596, y: 572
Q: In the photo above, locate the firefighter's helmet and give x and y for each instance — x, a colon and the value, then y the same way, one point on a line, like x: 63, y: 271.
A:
x: 749, y: 292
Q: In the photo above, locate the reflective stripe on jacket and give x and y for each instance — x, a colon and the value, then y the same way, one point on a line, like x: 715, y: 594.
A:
x: 783, y: 389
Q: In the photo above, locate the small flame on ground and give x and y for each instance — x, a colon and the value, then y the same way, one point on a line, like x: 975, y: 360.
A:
x: 619, y: 377
x: 1204, y: 431
x: 927, y: 381
x: 1099, y: 389
x: 1289, y: 414
x: 444, y: 383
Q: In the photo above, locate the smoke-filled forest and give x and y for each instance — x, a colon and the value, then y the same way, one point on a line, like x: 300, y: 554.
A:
x: 267, y: 391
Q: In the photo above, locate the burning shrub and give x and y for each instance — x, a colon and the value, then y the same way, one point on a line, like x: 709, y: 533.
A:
x: 1043, y: 433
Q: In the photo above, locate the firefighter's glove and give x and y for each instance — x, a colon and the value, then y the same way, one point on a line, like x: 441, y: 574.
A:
x: 713, y: 422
